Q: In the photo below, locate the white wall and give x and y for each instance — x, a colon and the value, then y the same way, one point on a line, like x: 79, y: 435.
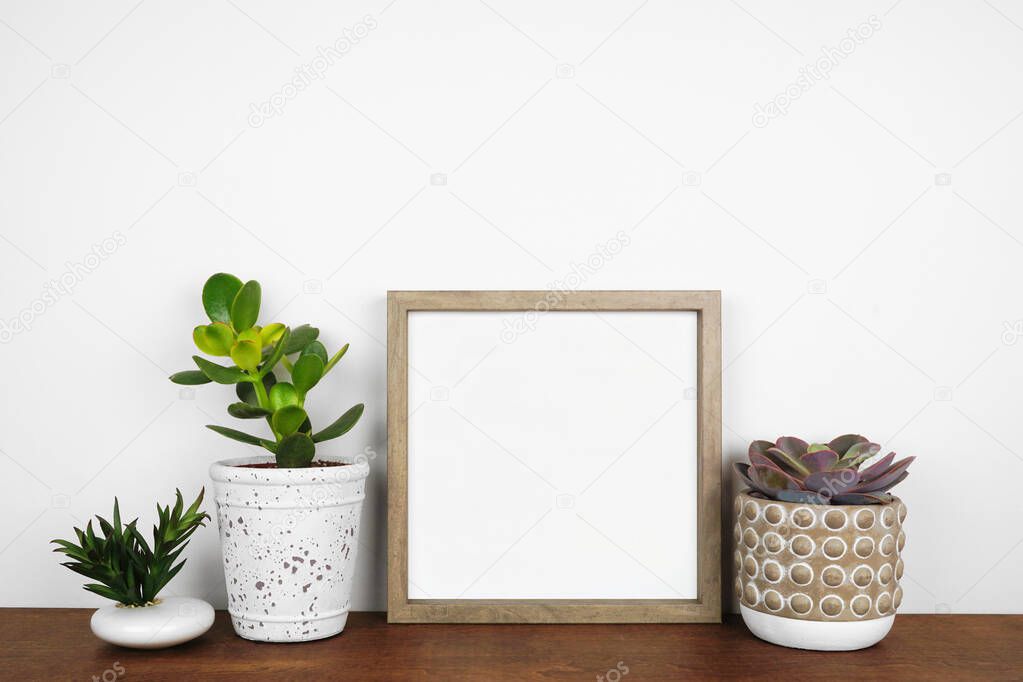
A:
x: 859, y: 293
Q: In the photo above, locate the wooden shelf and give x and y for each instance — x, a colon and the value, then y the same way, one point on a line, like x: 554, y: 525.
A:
x: 57, y: 644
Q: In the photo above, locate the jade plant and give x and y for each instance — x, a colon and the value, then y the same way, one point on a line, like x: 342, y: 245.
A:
x: 842, y: 471
x: 125, y: 567
x: 256, y: 351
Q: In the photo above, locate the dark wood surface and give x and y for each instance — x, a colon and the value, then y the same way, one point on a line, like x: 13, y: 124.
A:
x: 56, y: 644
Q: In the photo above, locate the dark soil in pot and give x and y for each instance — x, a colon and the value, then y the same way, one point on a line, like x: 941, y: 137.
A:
x: 273, y: 465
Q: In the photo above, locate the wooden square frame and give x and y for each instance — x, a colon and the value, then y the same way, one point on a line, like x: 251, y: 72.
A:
x: 705, y: 608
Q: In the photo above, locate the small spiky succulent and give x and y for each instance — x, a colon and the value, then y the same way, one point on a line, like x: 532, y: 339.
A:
x: 792, y: 470
x: 125, y: 567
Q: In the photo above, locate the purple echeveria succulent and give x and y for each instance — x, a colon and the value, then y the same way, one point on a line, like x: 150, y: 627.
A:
x: 792, y: 470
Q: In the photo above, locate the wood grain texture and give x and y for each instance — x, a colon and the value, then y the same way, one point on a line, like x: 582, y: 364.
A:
x: 397, y: 455
x: 705, y: 608
x: 709, y: 457
x: 56, y: 644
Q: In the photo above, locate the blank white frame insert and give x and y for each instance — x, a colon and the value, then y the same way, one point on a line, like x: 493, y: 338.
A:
x: 553, y: 455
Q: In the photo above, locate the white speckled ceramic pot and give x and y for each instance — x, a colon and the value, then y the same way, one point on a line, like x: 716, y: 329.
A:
x: 818, y: 576
x: 289, y: 539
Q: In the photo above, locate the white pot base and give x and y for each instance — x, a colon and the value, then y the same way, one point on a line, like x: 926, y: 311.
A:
x: 816, y: 635
x: 288, y: 631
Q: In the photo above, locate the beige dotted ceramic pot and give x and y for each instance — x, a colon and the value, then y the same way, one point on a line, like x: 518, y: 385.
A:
x: 818, y: 576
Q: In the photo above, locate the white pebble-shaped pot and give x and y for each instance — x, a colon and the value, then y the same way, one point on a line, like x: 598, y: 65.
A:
x: 290, y: 539
x: 170, y: 621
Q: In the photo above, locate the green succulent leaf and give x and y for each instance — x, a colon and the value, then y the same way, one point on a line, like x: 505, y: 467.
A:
x: 240, y: 436
x: 301, y: 337
x: 316, y: 348
x: 269, y: 334
x: 245, y: 307
x: 247, y: 391
x: 341, y: 426
x: 307, y: 373
x: 213, y: 339
x: 190, y: 377
x: 246, y: 354
x: 252, y: 334
x: 246, y: 411
x: 295, y: 451
x: 283, y: 394
x: 217, y: 295
x: 288, y: 419
x: 277, y: 354
x: 817, y: 447
x: 219, y: 373
x: 334, y: 360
